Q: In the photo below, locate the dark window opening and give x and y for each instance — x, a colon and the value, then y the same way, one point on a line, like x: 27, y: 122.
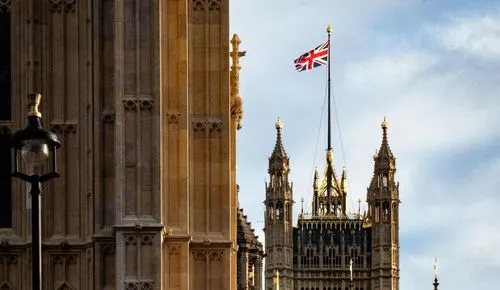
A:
x: 5, y: 115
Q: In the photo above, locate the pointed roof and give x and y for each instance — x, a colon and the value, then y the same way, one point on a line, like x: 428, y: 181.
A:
x: 279, y: 149
x: 385, y: 150
x: 384, y: 159
x: 246, y: 235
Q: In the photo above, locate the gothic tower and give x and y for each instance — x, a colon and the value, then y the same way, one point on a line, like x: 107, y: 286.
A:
x: 383, y: 206
x: 278, y: 218
x: 138, y: 92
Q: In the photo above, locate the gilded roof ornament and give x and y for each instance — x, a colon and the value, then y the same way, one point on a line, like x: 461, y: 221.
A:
x: 236, y: 101
x: 385, y: 124
x: 279, y: 124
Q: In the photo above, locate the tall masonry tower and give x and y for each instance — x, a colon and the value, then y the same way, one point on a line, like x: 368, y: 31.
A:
x: 278, y: 218
x: 383, y: 206
x: 333, y: 249
x: 141, y: 96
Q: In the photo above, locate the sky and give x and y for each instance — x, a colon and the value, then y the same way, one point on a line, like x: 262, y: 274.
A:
x: 433, y: 69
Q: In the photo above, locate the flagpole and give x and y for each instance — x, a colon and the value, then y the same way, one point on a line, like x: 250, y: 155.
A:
x: 329, y: 157
x: 329, y: 30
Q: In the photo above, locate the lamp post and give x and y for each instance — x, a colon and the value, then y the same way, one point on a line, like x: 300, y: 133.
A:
x: 35, y: 145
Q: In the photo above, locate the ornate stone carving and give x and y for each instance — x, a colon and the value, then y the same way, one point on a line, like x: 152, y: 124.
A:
x: 131, y: 285
x: 108, y: 249
x: 214, y: 5
x: 63, y: 127
x: 146, y: 285
x: 174, y: 250
x: 199, y: 255
x: 215, y: 126
x: 204, y: 125
x: 211, y: 5
x: 130, y: 104
x: 143, y: 103
x: 198, y: 5
x: 57, y: 260
x: 173, y: 118
x: 63, y: 5
x: 146, y: 240
x: 130, y: 240
x: 108, y: 117
x: 215, y: 256
x: 5, y: 8
x: 9, y: 259
x: 199, y: 126
x: 236, y: 101
x: 139, y: 285
x: 146, y: 104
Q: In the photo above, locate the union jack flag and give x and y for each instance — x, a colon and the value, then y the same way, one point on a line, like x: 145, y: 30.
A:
x: 313, y: 58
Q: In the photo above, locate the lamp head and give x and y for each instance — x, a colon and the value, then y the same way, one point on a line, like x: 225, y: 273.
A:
x: 34, y: 142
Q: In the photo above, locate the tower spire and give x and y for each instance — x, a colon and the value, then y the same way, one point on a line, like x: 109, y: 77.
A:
x: 279, y: 149
x: 385, y: 150
x: 436, y: 282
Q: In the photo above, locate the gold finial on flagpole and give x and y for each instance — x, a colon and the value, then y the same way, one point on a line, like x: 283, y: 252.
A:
x: 329, y: 29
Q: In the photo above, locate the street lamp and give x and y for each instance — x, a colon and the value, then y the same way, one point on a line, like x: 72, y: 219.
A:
x: 35, y: 145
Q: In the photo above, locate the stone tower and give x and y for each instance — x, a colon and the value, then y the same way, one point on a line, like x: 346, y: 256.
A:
x: 278, y: 218
x: 383, y: 207
x: 250, y: 255
x: 138, y: 93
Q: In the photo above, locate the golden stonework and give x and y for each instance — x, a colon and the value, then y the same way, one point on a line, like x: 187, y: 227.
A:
x: 236, y: 101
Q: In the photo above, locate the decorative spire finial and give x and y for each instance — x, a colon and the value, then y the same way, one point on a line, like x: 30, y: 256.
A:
x: 236, y: 101
x: 279, y: 151
x: 384, y: 152
x: 436, y: 282
x: 33, y: 103
x: 302, y: 202
x: 279, y: 124
x: 385, y: 124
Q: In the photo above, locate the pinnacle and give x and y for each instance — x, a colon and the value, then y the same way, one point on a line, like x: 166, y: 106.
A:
x: 279, y: 149
x: 385, y: 150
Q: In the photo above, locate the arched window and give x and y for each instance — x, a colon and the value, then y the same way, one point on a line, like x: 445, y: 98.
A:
x: 386, y: 211
x: 271, y: 212
x: 279, y: 211
x: 288, y: 213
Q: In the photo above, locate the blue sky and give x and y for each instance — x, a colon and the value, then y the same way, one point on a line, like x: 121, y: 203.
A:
x: 431, y: 67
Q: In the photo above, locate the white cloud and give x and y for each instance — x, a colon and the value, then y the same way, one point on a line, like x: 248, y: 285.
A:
x: 440, y: 108
x: 477, y: 35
